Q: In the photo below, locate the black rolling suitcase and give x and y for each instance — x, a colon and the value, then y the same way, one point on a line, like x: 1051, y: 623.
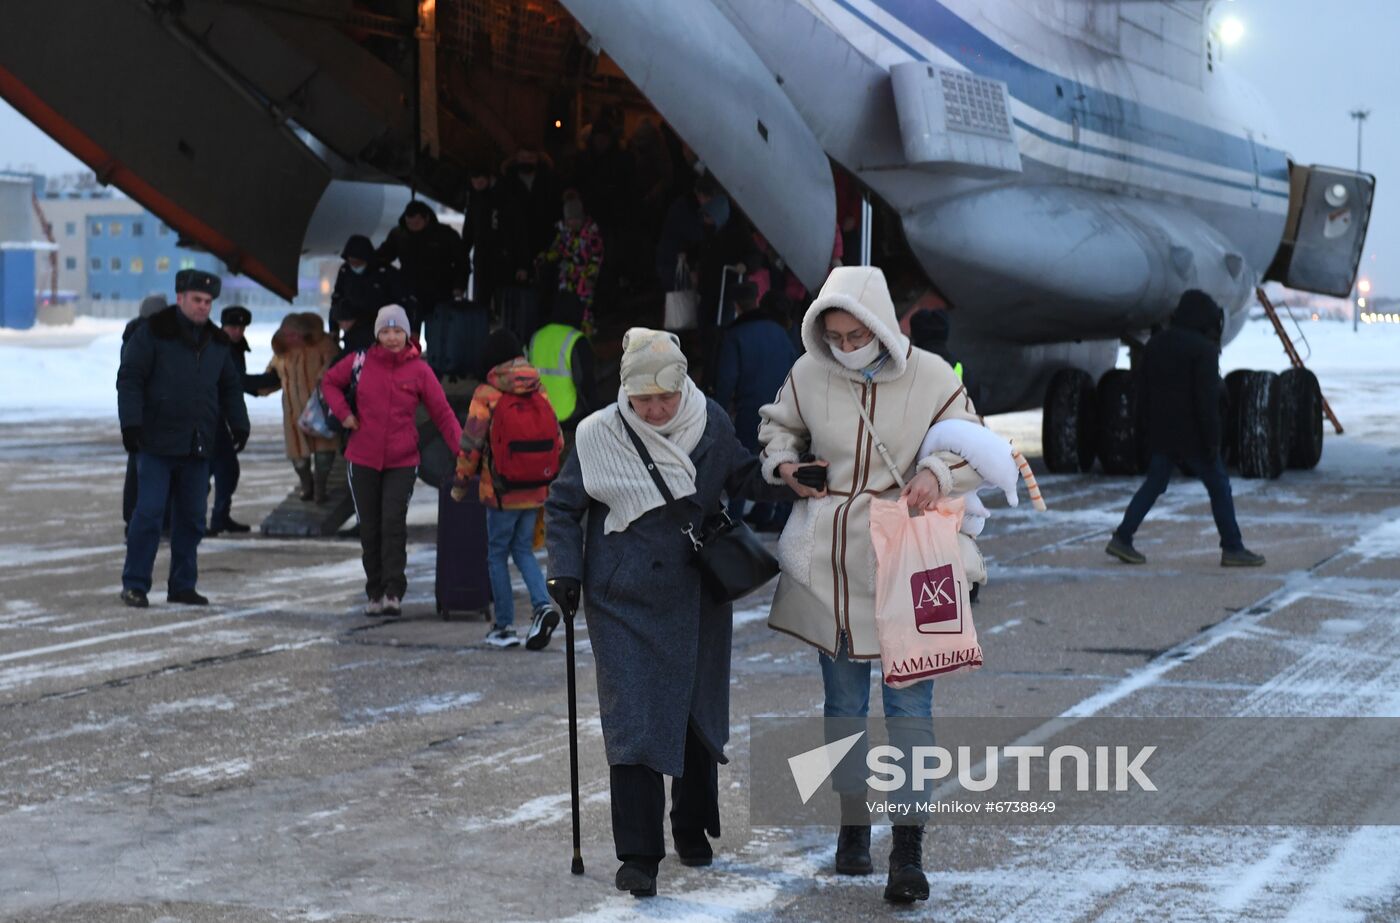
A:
x: 522, y: 312
x: 461, y: 586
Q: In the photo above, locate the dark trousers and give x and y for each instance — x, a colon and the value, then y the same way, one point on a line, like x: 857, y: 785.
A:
x: 129, y: 491
x: 381, y: 502
x: 184, y: 483
x: 639, y: 804
x: 223, y: 465
x: 1159, y: 474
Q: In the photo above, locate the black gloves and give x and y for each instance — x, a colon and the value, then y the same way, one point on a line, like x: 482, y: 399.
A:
x: 131, y: 438
x: 240, y: 439
x: 566, y: 591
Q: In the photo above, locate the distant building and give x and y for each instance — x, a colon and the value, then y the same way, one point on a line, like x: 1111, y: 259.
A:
x: 112, y: 253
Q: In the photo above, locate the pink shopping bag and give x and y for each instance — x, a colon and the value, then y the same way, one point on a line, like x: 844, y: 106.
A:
x: 922, y: 612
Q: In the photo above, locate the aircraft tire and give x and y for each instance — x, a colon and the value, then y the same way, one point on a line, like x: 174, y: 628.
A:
x: 1230, y: 416
x: 1067, y: 429
x: 1121, y: 430
x: 1264, y: 430
x: 1302, y: 398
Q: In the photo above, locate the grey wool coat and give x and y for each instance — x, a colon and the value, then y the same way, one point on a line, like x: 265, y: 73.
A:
x: 660, y: 642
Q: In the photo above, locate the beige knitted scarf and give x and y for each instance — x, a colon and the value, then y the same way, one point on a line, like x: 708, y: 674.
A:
x: 613, y: 472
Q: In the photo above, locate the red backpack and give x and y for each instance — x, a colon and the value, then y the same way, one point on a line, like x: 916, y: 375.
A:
x: 524, y: 442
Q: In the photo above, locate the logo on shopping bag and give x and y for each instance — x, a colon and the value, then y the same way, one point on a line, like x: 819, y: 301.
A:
x: 935, y: 594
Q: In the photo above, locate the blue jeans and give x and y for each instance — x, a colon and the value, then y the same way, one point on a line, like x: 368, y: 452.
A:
x: 510, y: 534
x: 184, y: 481
x: 1159, y: 474
x: 223, y: 465
x: 846, y: 683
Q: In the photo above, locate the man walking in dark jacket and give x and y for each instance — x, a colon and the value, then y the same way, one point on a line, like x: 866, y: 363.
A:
x: 432, y: 266
x: 178, y: 383
x: 362, y: 286
x: 1181, y: 383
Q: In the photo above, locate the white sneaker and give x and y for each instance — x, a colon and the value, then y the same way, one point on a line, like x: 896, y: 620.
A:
x: 392, y: 606
x: 546, y: 620
x: 374, y: 607
x: 503, y: 637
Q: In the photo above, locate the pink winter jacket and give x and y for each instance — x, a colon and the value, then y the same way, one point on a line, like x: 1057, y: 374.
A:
x: 390, y: 388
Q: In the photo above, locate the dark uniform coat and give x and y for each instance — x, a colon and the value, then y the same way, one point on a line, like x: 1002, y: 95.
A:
x: 661, y: 644
x: 180, y: 384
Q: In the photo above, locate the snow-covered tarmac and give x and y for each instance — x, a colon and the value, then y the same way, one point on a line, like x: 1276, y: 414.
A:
x: 282, y: 757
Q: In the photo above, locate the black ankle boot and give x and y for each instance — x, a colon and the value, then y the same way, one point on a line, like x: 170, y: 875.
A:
x: 853, y: 841
x: 693, y: 847
x: 907, y: 883
x: 637, y: 878
x: 853, y: 851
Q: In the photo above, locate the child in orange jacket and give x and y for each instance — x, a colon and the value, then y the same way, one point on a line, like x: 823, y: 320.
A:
x: 513, y: 440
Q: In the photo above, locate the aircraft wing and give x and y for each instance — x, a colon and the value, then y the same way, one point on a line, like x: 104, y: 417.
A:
x: 203, y: 154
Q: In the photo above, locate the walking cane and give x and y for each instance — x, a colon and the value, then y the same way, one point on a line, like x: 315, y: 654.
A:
x: 566, y: 594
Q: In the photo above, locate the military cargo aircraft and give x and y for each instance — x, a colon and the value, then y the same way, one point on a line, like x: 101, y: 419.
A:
x: 1060, y: 170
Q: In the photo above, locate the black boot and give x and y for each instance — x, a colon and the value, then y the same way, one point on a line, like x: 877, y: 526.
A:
x: 324, y: 460
x: 637, y: 878
x: 693, y: 847
x: 303, y: 468
x: 853, y: 842
x: 907, y: 883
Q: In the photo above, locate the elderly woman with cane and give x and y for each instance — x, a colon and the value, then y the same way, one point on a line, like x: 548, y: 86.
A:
x: 645, y: 470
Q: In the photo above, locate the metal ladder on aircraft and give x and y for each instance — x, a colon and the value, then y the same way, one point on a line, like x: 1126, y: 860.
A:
x: 1292, y: 350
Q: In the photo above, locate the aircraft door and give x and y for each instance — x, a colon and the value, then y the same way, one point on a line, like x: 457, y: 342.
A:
x: 1328, y: 212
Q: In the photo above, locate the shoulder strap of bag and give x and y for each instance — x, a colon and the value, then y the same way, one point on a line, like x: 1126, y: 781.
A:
x: 686, y: 526
x: 646, y: 460
x: 879, y: 443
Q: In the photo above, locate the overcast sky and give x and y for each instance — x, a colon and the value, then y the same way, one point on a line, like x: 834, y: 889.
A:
x: 1312, y: 60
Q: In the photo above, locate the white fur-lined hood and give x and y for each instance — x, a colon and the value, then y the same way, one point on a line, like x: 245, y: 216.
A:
x: 861, y: 292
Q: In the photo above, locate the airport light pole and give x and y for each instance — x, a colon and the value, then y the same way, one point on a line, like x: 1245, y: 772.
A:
x: 1360, y: 115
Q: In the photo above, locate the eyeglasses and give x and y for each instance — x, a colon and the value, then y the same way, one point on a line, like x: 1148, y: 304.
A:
x: 857, y: 338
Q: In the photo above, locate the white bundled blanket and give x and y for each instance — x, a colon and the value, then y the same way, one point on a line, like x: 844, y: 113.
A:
x: 989, y: 454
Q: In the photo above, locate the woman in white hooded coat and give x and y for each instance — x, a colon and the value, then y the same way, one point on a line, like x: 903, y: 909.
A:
x: 826, y: 594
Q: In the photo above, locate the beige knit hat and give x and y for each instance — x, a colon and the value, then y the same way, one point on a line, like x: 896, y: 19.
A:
x: 652, y: 362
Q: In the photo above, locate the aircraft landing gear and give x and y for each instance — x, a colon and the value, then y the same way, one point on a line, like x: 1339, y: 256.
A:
x: 1302, y: 399
x: 1122, y: 433
x: 1264, y: 431
x: 1067, y: 431
x: 1269, y: 422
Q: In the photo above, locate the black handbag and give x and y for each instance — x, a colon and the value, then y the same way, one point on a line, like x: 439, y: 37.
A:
x: 732, y: 561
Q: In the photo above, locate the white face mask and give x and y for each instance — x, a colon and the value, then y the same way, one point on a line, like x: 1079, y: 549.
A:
x: 857, y: 359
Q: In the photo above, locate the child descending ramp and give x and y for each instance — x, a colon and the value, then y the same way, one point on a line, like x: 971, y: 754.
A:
x: 512, y: 440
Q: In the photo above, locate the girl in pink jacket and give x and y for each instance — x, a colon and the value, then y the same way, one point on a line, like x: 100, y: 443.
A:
x: 382, y: 455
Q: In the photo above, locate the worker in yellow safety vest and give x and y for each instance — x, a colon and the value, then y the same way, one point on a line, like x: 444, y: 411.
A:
x: 564, y: 358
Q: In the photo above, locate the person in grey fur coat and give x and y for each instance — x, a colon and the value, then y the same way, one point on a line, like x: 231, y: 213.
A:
x: 660, y: 642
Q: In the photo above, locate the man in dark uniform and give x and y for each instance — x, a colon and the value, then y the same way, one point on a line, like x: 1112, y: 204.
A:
x: 223, y: 464
x: 177, y: 385
x: 151, y: 304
